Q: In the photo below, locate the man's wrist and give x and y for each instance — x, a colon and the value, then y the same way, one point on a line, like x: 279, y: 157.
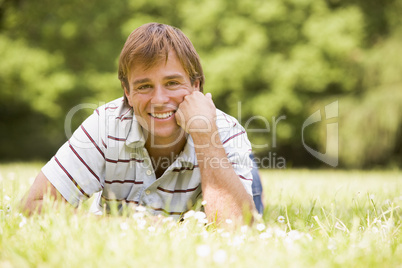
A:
x: 206, y: 137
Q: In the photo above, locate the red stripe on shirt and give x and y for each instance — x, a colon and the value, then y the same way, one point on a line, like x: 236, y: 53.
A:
x: 116, y: 139
x: 125, y: 181
x: 234, y: 136
x: 183, y: 168
x: 177, y: 191
x: 92, y: 140
x: 228, y: 120
x: 124, y: 160
x: 121, y: 116
x: 85, y: 164
x: 167, y: 212
x: 71, y: 178
x: 104, y: 144
x: 241, y: 177
x: 120, y: 200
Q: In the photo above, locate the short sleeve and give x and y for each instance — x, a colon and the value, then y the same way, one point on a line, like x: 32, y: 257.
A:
x: 77, y: 170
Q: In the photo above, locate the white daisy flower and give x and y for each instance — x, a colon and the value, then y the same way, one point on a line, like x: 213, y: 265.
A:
x: 124, y: 225
x: 140, y: 208
x: 260, y: 227
x: 265, y: 235
x: 281, y: 219
x: 189, y: 214
x: 23, y: 221
x: 199, y: 215
x: 220, y: 256
x: 203, y: 250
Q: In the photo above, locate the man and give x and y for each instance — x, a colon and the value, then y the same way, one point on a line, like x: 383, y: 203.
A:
x: 164, y: 145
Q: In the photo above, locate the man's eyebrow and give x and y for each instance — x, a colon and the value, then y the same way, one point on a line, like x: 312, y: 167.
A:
x: 174, y: 76
x: 141, y: 81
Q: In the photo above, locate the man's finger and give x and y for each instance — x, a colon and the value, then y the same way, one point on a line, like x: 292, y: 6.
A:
x: 209, y: 95
x: 178, y: 116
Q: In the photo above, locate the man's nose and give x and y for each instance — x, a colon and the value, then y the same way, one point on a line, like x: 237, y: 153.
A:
x: 160, y: 95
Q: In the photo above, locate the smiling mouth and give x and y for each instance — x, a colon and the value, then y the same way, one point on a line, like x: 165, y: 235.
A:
x: 162, y: 115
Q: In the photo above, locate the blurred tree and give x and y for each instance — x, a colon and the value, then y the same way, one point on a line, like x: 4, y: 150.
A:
x: 262, y: 59
x: 278, y: 58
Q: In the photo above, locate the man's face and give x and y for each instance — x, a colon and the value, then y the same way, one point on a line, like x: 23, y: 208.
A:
x: 155, y: 95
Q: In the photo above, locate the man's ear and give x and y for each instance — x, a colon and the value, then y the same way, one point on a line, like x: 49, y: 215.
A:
x: 126, y: 93
x: 196, y: 85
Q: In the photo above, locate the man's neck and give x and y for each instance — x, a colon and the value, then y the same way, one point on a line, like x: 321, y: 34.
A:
x: 165, y: 147
x: 163, y: 154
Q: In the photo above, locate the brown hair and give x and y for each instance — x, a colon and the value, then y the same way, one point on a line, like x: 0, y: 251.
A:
x: 150, y: 43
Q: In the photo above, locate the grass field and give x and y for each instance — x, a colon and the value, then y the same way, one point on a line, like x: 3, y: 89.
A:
x: 312, y: 219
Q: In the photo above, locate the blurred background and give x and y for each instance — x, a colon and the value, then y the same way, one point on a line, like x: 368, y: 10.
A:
x: 263, y: 59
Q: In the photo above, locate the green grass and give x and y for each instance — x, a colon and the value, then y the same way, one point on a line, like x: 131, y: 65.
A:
x: 331, y: 218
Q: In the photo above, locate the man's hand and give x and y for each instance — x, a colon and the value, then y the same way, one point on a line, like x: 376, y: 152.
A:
x: 197, y: 113
x: 33, y: 199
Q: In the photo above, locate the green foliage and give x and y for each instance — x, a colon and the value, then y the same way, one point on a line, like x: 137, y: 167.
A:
x: 279, y: 57
x: 32, y: 76
x: 378, y: 109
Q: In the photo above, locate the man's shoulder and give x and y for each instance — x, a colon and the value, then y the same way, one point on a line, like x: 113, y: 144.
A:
x: 229, y: 127
x: 223, y: 120
x: 117, y: 109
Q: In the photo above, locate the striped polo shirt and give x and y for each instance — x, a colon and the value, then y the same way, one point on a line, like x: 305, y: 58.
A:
x: 106, y: 154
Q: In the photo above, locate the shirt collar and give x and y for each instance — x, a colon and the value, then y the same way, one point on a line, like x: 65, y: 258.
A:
x: 135, y: 137
x: 187, y: 156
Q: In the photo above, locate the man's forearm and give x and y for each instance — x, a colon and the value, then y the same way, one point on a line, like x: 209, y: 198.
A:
x: 222, y: 190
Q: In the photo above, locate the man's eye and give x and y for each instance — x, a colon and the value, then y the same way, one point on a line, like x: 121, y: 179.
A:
x: 143, y: 87
x: 172, y: 83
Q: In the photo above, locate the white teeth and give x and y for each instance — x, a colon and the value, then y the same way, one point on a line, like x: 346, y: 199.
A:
x: 163, y: 115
